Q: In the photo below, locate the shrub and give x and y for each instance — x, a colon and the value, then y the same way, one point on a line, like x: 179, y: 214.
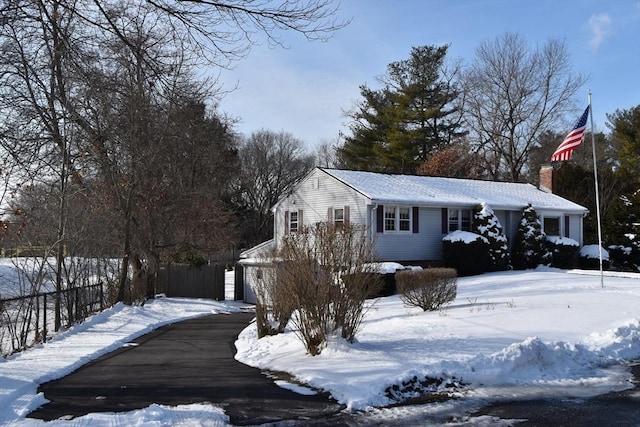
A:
x: 428, y: 289
x: 530, y: 244
x: 589, y: 258
x: 564, y: 251
x: 467, y: 253
x: 320, y: 283
x: 486, y: 224
x: 626, y: 256
x: 190, y: 258
x: 273, y: 303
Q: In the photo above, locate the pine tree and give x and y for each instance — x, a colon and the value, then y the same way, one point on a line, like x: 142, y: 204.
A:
x: 395, y: 129
x: 529, y: 247
x: 485, y: 223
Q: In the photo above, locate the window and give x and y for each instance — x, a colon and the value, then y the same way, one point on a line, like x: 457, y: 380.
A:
x: 404, y: 219
x: 293, y: 221
x: 552, y: 226
x: 397, y: 218
x: 389, y: 218
x: 454, y: 220
x: 338, y: 217
x: 459, y: 219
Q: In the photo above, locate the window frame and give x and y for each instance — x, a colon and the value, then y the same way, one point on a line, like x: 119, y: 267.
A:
x: 338, y: 220
x: 293, y: 222
x: 557, y: 225
x: 462, y: 220
x: 395, y: 215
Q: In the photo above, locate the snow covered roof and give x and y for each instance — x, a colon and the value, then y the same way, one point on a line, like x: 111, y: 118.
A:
x: 438, y: 191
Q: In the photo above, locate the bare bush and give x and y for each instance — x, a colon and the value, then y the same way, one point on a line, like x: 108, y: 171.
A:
x: 273, y: 306
x: 428, y: 289
x: 320, y: 281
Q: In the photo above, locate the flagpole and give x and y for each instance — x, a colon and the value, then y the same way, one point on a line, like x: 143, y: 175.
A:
x: 595, y: 178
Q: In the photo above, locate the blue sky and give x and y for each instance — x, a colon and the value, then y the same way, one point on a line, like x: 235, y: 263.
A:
x: 305, y: 89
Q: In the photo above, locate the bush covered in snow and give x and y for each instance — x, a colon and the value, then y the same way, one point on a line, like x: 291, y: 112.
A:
x: 564, y: 251
x: 530, y: 244
x: 428, y: 289
x: 589, y: 258
x: 626, y: 256
x: 466, y: 252
x: 486, y: 224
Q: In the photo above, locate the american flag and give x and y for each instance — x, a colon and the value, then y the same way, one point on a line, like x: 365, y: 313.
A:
x: 572, y: 140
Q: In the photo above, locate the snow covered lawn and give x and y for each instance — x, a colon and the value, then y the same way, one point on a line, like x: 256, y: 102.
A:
x: 506, y: 334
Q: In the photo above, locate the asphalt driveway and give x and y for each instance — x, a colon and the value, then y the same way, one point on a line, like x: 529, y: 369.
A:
x: 186, y: 362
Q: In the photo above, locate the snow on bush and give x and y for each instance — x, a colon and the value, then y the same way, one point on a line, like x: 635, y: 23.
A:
x: 626, y: 256
x: 467, y: 253
x: 486, y: 224
x: 591, y: 251
x: 564, y: 250
x: 589, y: 258
x: 530, y: 245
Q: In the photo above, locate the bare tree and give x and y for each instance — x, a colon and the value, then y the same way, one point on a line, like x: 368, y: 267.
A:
x: 90, y: 95
x: 271, y: 164
x: 455, y: 161
x: 513, y: 95
x: 327, y: 153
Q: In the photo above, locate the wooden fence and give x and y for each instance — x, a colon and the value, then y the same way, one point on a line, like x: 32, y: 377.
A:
x: 181, y: 280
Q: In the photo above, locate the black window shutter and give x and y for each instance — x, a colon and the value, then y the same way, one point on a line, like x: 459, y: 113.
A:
x: 566, y: 226
x: 380, y: 219
x: 445, y: 221
x: 286, y: 222
x: 415, y: 220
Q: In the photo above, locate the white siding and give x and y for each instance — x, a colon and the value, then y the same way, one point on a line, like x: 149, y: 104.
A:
x: 575, y: 228
x: 249, y: 272
x: 314, y: 196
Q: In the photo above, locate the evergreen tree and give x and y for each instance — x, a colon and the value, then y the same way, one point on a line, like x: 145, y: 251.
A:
x: 394, y: 129
x: 529, y: 246
x: 486, y: 224
x: 625, y: 126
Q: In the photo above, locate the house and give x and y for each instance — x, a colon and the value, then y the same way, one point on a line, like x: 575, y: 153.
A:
x: 407, y: 216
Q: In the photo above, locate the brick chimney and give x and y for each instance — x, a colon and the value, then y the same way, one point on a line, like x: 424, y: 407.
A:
x: 547, y: 178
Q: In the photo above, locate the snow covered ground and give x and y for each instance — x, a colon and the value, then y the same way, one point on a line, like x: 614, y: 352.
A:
x: 511, y: 334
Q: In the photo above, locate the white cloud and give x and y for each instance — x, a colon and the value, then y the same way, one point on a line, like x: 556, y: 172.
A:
x: 600, y: 27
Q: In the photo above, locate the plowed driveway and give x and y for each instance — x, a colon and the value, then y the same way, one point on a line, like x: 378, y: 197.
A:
x: 186, y: 362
